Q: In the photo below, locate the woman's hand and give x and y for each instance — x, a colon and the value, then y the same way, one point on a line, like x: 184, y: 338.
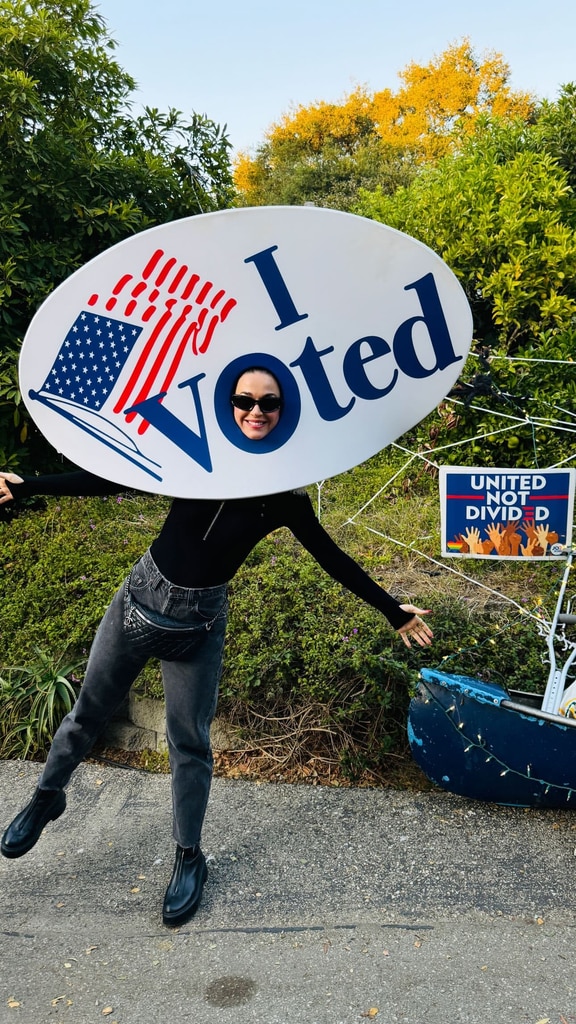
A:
x: 5, y: 480
x: 415, y: 627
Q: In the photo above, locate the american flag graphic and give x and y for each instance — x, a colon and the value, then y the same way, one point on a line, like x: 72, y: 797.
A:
x: 90, y: 360
x: 177, y: 313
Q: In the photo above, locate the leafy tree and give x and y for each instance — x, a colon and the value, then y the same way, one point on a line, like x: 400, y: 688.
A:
x: 321, y: 154
x: 347, y: 124
x: 77, y: 171
x: 329, y: 178
x: 555, y: 130
x: 326, y: 152
x: 441, y: 102
x: 502, y: 214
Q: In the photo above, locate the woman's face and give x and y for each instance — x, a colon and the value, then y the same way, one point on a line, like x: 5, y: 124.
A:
x: 256, y: 384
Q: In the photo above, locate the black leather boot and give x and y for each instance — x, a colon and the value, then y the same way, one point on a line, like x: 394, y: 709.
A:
x: 185, y: 887
x: 24, y: 832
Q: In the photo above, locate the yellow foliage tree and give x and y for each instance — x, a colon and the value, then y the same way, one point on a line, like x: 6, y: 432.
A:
x: 248, y: 178
x: 440, y: 102
x: 436, y: 106
x: 312, y: 127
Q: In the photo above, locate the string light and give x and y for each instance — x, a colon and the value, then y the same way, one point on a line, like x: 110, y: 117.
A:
x: 480, y: 744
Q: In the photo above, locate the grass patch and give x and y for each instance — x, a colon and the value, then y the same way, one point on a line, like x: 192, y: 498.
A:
x: 313, y: 676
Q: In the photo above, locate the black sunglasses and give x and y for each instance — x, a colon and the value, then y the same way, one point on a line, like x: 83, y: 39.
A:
x: 270, y: 403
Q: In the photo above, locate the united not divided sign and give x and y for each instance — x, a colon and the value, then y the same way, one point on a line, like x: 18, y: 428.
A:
x: 128, y: 367
x: 506, y: 512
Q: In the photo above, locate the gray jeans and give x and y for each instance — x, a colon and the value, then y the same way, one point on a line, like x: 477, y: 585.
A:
x: 150, y: 617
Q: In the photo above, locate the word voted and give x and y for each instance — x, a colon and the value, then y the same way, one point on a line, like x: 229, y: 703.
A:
x: 399, y: 356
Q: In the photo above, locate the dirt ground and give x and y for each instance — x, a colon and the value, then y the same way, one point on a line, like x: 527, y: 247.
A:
x: 402, y: 772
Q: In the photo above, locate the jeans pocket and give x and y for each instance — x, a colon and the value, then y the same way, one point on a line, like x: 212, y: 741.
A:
x: 158, y: 636
x: 211, y: 606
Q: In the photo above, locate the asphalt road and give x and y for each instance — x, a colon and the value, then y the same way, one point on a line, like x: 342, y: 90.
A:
x: 322, y: 906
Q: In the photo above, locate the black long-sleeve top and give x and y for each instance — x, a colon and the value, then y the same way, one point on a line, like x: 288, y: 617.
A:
x: 204, y: 542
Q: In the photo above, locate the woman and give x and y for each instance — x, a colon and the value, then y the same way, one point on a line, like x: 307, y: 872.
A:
x: 173, y: 606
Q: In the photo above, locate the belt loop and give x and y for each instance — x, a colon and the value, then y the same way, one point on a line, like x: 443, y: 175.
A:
x: 155, y: 577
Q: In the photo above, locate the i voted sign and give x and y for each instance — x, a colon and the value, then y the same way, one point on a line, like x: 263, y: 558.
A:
x: 129, y: 366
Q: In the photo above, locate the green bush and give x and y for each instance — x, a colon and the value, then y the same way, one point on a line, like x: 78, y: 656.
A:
x: 34, y: 698
x: 61, y: 566
x: 310, y: 670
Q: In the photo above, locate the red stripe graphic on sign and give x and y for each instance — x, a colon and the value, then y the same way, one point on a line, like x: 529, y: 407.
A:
x: 181, y: 312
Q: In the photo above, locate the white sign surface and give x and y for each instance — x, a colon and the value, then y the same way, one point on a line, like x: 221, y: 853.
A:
x: 128, y: 367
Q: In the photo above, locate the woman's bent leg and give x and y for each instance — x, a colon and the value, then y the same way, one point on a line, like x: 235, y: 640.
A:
x: 111, y: 670
x: 191, y: 691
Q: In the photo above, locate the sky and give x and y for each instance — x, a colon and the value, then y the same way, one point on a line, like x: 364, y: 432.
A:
x: 244, y: 64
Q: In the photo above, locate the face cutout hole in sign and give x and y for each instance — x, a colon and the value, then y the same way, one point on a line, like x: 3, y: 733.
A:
x: 129, y: 367
x: 288, y: 414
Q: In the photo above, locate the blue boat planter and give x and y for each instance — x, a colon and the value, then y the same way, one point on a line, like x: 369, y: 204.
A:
x: 477, y: 739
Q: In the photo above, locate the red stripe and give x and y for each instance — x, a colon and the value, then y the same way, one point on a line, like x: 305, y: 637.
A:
x: 152, y: 262
x: 165, y: 271
x: 160, y: 357
x: 190, y: 286
x: 201, y: 297
x: 183, y: 270
x: 133, y: 379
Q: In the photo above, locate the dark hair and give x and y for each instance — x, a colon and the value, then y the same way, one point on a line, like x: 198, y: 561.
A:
x: 257, y: 369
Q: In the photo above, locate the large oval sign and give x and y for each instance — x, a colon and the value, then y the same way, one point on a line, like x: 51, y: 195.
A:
x: 129, y: 366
